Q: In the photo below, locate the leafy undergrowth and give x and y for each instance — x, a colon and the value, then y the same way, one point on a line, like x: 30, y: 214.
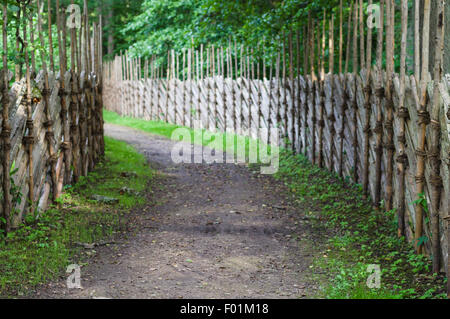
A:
x: 41, y: 248
x: 355, y: 236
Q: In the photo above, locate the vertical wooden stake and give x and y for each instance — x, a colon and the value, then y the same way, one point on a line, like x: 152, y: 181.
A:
x: 361, y: 35
x: 349, y: 36
x: 166, y: 111
x: 224, y: 95
x: 292, y: 92
x: 368, y: 110
x: 234, y: 84
x: 66, y: 147
x: 389, y: 123
x: 260, y: 86
x: 208, y: 88
x: 278, y: 95
x: 331, y: 45
x: 284, y: 85
x: 183, y: 81
x: 74, y: 104
x: 241, y: 96
x: 200, y: 84
x: 434, y: 146
x: 331, y: 117
x: 50, y: 35
x: 417, y: 52
x: 29, y: 139
x: 216, y: 92
x: 424, y: 120
x: 379, y: 100
x: 6, y: 130
x: 306, y: 34
x: 299, y: 90
x: 321, y: 87
x: 33, y: 56
x: 313, y: 92
x: 341, y: 36
x: 354, y: 102
x: 52, y: 156
x: 402, y: 159
x: 213, y: 89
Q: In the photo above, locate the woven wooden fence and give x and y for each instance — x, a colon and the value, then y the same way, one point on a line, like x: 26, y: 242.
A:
x: 366, y: 126
x: 52, y: 125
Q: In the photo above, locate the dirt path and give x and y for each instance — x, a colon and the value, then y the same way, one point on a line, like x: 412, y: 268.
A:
x: 214, y: 231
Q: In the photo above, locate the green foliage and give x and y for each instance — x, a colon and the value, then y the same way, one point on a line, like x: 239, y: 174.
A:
x: 123, y: 11
x: 180, y: 24
x: 152, y: 27
x: 107, y: 180
x: 422, y: 200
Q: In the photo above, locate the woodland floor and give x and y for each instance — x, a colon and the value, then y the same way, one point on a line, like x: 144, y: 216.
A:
x: 207, y: 231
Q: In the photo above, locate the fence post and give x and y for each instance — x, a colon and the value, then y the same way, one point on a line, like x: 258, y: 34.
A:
x: 200, y: 84
x: 285, y: 102
x: 389, y: 123
x: 224, y: 76
x: 434, y: 147
x: 292, y: 91
x: 74, y: 105
x: 6, y: 129
x: 321, y: 88
x: 29, y: 138
x: 66, y: 147
x: 52, y: 156
x: 313, y: 89
x: 331, y: 117
x: 368, y: 109
x: 354, y: 100
x: 402, y: 159
x: 424, y: 120
x: 379, y: 100
x: 234, y: 84
x: 298, y: 133
x: 249, y: 90
x: 50, y: 35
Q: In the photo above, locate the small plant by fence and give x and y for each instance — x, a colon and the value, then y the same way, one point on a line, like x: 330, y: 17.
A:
x: 388, y: 132
x: 52, y: 122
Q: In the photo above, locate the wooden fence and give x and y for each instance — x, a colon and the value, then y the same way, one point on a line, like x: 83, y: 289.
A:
x: 52, y: 125
x: 388, y: 132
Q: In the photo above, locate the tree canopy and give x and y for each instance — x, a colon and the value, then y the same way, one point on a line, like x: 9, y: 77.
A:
x: 178, y: 24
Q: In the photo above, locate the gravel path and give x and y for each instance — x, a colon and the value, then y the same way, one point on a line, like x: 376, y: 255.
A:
x: 211, y: 231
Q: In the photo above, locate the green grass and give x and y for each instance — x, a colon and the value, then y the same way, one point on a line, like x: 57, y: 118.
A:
x: 223, y: 142
x: 154, y: 127
x: 120, y: 158
x: 41, y: 249
x: 352, y: 236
